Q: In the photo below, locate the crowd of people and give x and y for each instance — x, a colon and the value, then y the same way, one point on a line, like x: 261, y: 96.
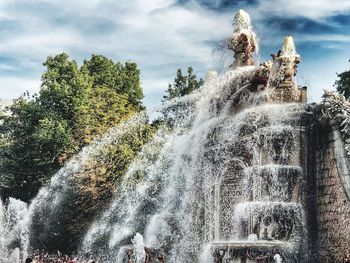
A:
x: 40, y: 256
x: 44, y: 257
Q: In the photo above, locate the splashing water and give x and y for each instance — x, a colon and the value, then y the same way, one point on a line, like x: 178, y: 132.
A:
x: 288, y: 48
x: 241, y: 21
x: 226, y: 175
x: 46, y: 213
x: 193, y: 175
x: 211, y: 76
x: 13, y: 227
x: 139, y: 248
x: 191, y: 193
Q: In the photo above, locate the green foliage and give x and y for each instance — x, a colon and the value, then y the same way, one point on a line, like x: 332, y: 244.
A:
x: 343, y: 83
x: 90, y: 191
x: 74, y: 105
x: 35, y: 138
x: 98, y: 182
x: 63, y: 88
x: 183, y: 84
x: 122, y: 79
x: 4, y: 142
x: 103, y: 110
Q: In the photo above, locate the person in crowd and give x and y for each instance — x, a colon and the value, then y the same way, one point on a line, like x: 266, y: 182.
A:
x: 43, y: 257
x: 259, y: 258
x: 148, y: 258
x: 160, y: 258
x: 130, y: 257
x: 277, y: 258
x: 219, y: 255
x: 347, y: 258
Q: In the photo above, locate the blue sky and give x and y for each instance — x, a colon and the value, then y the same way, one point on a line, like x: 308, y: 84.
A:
x: 163, y: 35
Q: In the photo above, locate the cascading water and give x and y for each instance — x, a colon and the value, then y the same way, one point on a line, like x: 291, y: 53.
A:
x: 168, y: 205
x: 51, y: 210
x: 223, y: 183
x: 13, y: 227
x: 227, y: 171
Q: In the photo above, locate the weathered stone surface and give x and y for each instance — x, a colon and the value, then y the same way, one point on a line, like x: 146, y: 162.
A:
x: 288, y: 92
x: 243, y: 41
x: 333, y: 216
x: 328, y: 205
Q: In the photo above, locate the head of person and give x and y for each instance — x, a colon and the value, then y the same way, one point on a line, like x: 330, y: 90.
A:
x: 29, y: 260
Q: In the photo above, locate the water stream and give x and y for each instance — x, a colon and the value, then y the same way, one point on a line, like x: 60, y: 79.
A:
x: 226, y: 176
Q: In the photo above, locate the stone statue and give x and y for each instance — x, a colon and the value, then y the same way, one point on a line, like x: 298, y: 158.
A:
x: 281, y: 79
x: 285, y: 63
x: 243, y: 41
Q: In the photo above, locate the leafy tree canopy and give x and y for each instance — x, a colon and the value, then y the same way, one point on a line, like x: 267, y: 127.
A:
x: 73, y: 106
x: 343, y: 83
x: 183, y: 84
x: 123, y: 79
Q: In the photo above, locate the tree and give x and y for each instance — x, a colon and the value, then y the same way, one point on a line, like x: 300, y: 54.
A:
x: 343, y: 83
x: 89, y: 191
x: 104, y: 109
x: 64, y: 87
x: 74, y: 105
x: 183, y: 84
x: 124, y: 79
x: 115, y: 95
x: 36, y: 139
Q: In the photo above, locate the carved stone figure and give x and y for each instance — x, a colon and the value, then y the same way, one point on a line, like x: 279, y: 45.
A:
x: 284, y: 68
x: 243, y: 41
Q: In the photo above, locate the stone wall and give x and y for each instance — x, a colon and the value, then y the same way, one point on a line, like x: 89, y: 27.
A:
x: 327, y: 201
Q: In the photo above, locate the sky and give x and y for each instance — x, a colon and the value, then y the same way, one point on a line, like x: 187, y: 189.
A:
x: 164, y: 35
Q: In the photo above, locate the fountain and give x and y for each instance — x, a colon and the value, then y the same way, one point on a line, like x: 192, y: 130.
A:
x: 224, y: 181
x: 264, y: 201
x: 227, y: 178
x: 243, y: 41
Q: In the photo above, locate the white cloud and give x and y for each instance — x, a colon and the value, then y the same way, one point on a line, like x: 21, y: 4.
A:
x: 7, y: 67
x: 152, y: 33
x: 157, y: 34
x: 11, y: 85
x: 315, y: 9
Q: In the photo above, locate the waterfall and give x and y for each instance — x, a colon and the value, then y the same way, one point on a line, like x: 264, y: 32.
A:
x: 224, y: 180
x: 139, y: 248
x: 50, y: 211
x: 162, y: 205
x: 227, y: 174
x: 288, y: 48
x: 198, y: 178
x: 13, y: 227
